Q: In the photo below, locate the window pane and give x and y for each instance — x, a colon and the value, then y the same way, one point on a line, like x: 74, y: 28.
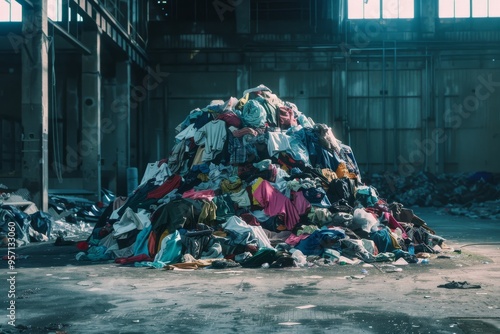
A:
x: 446, y: 8
x: 52, y: 10
x: 406, y: 9
x: 4, y: 11
x: 390, y: 9
x: 479, y: 8
x: 494, y: 8
x: 372, y: 9
x: 355, y: 9
x: 17, y: 11
x: 462, y: 8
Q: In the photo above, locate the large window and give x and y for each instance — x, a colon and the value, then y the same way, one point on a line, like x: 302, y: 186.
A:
x: 376, y: 9
x: 469, y: 8
x: 10, y: 11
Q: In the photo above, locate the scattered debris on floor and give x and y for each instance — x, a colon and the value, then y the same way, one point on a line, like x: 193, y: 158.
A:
x: 475, y: 195
x: 68, y: 217
x: 459, y: 285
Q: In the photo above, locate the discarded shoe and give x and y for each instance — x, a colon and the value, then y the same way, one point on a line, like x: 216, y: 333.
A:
x: 459, y: 285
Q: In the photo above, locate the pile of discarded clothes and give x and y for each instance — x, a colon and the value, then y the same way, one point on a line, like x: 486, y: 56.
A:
x: 253, y: 182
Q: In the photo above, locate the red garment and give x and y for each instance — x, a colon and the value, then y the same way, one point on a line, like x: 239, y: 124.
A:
x: 230, y: 118
x: 132, y: 259
x: 82, y: 245
x: 173, y: 182
x: 250, y: 219
x: 393, y: 224
x: 275, y: 203
x: 199, y: 194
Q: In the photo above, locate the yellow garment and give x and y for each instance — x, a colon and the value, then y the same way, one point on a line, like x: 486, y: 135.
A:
x: 254, y: 188
x: 329, y: 174
x: 198, y: 156
x: 230, y: 187
x: 342, y: 172
x: 163, y: 235
x: 208, y: 213
x: 203, y: 177
x: 190, y: 265
x: 242, y: 101
x: 394, y: 241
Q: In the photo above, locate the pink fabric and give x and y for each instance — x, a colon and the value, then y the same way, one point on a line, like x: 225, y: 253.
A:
x: 275, y: 203
x: 199, y: 194
x: 293, y: 239
x: 393, y: 224
x: 300, y: 202
x: 287, y: 117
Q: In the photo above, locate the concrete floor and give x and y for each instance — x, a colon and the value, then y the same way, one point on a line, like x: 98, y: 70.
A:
x: 57, y: 294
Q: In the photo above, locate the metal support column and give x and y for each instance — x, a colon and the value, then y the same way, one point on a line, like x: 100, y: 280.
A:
x: 90, y: 143
x: 35, y: 102
x: 122, y: 121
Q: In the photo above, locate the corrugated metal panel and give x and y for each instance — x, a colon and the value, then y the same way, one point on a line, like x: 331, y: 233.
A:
x: 461, y: 91
x: 193, y: 41
x: 357, y: 116
x: 318, y: 109
x: 472, y: 35
x: 292, y: 85
x: 357, y: 83
x: 380, y: 116
x: 469, y: 108
x: 212, y: 85
x: 369, y: 82
x: 409, y: 113
x: 409, y: 83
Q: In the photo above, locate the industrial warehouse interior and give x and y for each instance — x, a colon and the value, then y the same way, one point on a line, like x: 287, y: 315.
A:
x: 280, y: 166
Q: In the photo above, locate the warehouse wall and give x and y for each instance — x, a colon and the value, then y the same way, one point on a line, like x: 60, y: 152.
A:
x: 10, y: 118
x: 396, y: 110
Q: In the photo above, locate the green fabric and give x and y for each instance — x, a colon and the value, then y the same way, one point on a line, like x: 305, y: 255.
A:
x: 263, y: 255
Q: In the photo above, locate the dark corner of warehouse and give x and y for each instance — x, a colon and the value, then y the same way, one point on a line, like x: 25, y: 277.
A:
x: 216, y: 134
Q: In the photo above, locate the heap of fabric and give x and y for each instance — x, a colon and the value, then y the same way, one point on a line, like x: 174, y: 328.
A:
x: 253, y: 181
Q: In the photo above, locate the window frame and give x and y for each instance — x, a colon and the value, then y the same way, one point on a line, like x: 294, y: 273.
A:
x: 381, y: 11
x: 489, y: 4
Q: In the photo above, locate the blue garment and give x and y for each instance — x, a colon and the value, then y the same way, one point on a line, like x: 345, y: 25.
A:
x: 141, y: 241
x: 254, y: 114
x: 171, y: 249
x: 298, y: 147
x: 317, y: 197
x: 382, y: 240
x: 316, y: 243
